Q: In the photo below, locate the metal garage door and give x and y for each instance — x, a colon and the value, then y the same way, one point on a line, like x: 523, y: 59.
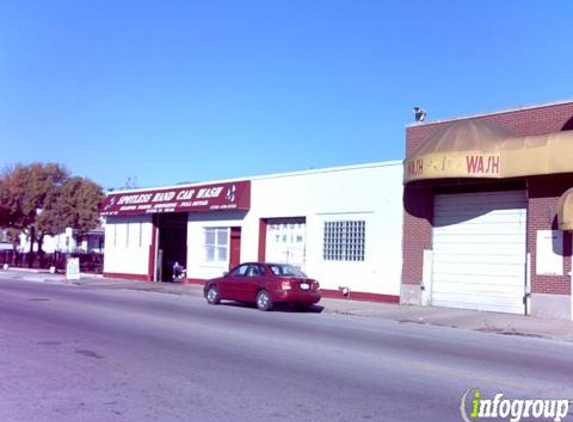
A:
x: 479, y: 256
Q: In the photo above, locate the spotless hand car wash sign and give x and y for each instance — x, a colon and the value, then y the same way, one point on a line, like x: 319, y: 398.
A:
x: 223, y: 196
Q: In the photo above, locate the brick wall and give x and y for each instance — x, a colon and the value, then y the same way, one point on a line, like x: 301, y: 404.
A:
x: 417, y: 230
x: 543, y: 194
x: 524, y: 122
x: 418, y: 198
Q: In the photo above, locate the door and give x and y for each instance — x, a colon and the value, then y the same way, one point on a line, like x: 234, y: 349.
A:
x: 235, y: 253
x: 230, y: 286
x: 255, y: 278
x: 243, y: 283
x: 479, y: 251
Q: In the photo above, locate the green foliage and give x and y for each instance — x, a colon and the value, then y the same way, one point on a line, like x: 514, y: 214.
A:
x: 79, y: 204
x: 24, y: 190
x: 42, y: 199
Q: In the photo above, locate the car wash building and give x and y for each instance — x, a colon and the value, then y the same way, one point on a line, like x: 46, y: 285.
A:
x: 342, y: 226
x: 489, y: 212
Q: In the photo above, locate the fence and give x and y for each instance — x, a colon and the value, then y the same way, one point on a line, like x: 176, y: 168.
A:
x: 89, y: 262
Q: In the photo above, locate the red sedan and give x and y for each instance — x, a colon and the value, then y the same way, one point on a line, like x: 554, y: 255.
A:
x: 265, y: 285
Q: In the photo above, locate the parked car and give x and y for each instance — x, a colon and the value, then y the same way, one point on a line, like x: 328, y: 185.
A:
x: 264, y: 284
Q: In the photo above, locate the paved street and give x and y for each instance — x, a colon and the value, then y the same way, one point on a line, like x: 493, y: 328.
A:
x: 78, y: 353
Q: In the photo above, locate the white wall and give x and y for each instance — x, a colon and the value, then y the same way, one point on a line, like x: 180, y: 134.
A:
x: 197, y: 267
x: 65, y: 242
x: 127, y: 242
x: 371, y: 193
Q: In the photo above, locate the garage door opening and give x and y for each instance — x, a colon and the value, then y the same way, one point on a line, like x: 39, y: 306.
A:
x: 284, y: 241
x: 172, y: 244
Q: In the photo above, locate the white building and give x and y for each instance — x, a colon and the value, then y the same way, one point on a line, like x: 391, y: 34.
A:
x: 5, y: 243
x: 342, y: 226
x: 67, y: 242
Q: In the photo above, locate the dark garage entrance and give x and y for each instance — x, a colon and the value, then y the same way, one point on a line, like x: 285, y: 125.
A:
x: 172, y: 233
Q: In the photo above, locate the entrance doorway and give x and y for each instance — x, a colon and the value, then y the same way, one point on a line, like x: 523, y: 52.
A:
x: 285, y: 241
x: 172, y: 244
x: 235, y: 255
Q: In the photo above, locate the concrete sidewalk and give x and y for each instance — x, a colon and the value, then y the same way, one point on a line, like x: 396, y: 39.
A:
x: 490, y: 322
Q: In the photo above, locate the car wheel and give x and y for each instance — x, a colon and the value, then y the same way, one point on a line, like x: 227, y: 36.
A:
x: 213, y: 296
x: 264, y: 301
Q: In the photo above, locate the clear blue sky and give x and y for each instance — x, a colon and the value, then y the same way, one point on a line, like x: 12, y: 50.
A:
x: 169, y: 91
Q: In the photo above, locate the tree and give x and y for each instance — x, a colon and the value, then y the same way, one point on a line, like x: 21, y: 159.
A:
x: 75, y: 204
x: 49, y: 221
x: 81, y: 199
x: 42, y: 199
x: 24, y: 191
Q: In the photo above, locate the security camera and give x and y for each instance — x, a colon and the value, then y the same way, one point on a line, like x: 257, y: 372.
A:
x: 419, y: 114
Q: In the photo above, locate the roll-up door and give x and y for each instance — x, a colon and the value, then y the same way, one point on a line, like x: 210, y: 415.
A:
x: 479, y: 251
x: 286, y: 241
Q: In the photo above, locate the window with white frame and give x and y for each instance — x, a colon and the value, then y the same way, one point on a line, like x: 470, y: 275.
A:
x: 216, y: 245
x: 344, y: 240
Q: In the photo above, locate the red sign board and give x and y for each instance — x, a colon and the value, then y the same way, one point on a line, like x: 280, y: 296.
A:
x: 213, y: 197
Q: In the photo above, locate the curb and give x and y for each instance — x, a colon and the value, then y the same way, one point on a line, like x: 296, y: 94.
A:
x: 485, y: 322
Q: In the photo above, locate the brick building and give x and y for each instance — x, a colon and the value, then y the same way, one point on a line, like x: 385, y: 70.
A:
x: 487, y: 218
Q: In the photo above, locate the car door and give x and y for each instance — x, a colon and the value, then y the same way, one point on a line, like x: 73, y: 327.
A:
x: 252, y: 282
x: 231, y: 285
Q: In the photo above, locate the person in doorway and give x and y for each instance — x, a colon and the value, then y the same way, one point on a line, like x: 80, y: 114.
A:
x: 178, y: 271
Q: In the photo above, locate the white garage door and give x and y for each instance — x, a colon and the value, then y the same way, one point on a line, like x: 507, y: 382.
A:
x: 286, y: 243
x: 479, y: 258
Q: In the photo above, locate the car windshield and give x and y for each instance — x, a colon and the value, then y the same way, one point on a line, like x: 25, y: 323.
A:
x: 286, y: 271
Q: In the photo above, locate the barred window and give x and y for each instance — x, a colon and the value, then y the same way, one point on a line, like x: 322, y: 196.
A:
x: 344, y: 240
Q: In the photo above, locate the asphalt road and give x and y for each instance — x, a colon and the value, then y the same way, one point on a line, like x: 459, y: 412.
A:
x: 70, y: 353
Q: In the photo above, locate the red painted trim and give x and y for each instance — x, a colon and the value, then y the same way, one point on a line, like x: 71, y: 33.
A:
x: 331, y: 294
x: 262, y: 239
x: 137, y: 277
x: 152, y: 249
x: 194, y: 281
x: 362, y: 296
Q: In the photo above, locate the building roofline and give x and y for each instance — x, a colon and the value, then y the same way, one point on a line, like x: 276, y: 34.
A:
x: 489, y: 113
x: 389, y: 163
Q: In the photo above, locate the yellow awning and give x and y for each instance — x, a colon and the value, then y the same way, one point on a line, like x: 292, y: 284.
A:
x: 479, y: 149
x: 565, y: 211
